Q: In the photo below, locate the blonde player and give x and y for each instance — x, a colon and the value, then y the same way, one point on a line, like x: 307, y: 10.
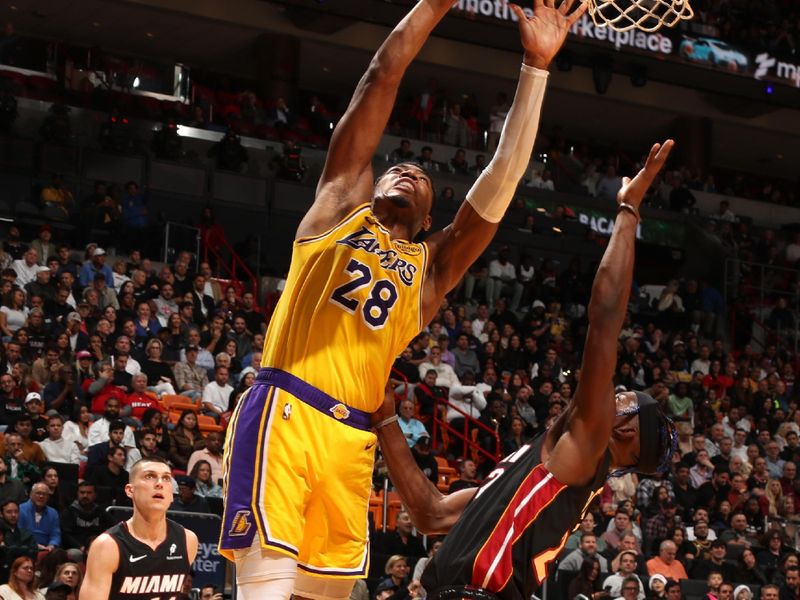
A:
x: 298, y: 459
x: 148, y: 556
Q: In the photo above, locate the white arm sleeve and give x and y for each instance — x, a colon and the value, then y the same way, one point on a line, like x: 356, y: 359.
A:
x: 492, y: 192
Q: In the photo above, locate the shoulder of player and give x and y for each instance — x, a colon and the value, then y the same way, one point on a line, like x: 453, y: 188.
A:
x: 192, y: 543
x: 105, y: 550
x: 335, y: 199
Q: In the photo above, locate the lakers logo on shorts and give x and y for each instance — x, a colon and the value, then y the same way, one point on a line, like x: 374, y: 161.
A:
x: 340, y: 411
x: 241, y: 524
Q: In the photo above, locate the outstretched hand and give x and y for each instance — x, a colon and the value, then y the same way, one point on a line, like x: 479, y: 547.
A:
x: 633, y: 190
x: 544, y: 33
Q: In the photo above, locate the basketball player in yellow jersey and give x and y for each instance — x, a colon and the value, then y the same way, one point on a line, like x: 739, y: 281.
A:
x: 299, y: 453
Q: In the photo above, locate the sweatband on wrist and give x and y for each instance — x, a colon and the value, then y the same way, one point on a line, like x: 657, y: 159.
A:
x: 386, y: 422
x: 493, y: 191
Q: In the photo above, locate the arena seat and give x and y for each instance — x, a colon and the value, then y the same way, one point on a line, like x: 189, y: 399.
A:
x: 446, y: 474
x: 207, y: 424
x: 395, y: 505
x: 376, y: 508
x: 170, y: 402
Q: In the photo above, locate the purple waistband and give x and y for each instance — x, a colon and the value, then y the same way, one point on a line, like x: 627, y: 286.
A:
x: 312, y: 396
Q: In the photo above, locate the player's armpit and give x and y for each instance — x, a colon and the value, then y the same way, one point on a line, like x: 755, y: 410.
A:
x: 101, y: 564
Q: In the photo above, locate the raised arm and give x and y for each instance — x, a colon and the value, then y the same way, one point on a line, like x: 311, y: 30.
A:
x: 592, y: 411
x: 431, y: 511
x: 346, y: 179
x: 456, y: 247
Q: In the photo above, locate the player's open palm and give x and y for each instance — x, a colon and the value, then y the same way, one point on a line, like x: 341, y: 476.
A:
x: 543, y: 34
x: 633, y: 190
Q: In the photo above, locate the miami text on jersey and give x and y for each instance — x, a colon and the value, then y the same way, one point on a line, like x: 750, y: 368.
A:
x: 152, y: 584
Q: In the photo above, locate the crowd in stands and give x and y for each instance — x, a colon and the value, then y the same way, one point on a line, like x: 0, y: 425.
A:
x: 100, y: 367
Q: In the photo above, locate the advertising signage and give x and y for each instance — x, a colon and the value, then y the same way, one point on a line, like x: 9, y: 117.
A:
x: 669, y: 44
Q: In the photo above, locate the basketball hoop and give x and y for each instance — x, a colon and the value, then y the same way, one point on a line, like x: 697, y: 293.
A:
x: 645, y: 15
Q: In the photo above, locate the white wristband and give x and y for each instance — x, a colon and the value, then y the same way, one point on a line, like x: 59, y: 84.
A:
x: 493, y: 191
x: 386, y: 422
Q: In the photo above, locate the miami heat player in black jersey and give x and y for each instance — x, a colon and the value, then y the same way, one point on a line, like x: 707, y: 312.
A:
x: 148, y: 556
x: 524, y: 517
x: 504, y: 535
x: 148, y: 574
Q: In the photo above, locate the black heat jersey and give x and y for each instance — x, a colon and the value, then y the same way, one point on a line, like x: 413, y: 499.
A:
x: 514, y: 527
x: 147, y: 574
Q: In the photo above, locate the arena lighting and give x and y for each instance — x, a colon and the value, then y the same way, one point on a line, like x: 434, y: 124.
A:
x: 601, y: 74
x: 136, y: 82
x: 769, y: 90
x: 639, y: 76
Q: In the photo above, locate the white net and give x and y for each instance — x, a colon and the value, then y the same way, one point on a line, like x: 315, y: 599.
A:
x: 646, y: 15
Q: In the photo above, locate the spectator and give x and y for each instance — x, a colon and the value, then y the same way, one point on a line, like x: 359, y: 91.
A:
x: 402, y: 153
x: 99, y: 430
x: 613, y: 584
x: 184, y: 440
x: 10, y: 489
x: 205, y: 485
x: 665, y: 563
x: 190, y: 377
x: 112, y: 477
x: 659, y: 525
x: 140, y: 400
x: 13, y: 313
x: 57, y: 196
x: 748, y: 571
x: 211, y: 453
x: 203, y: 303
x: 188, y: 500
x: 20, y: 582
x: 30, y: 449
x: 160, y: 378
x: 715, y: 562
x: 20, y: 467
x: 587, y: 582
x: 56, y: 447
x: 83, y: 520
x: 17, y: 541
x: 216, y: 395
x: 587, y: 550
x: 421, y: 451
x: 96, y: 266
x: 229, y: 153
x: 134, y: 212
x: 148, y: 444
x: 41, y: 520
x: 467, y: 476
x: 445, y: 375
x: 503, y: 279
x: 425, y: 160
x: 26, y: 267
x: 621, y: 526
x: 411, y: 427
x: 609, y: 184
x: 466, y: 359
x: 401, y: 541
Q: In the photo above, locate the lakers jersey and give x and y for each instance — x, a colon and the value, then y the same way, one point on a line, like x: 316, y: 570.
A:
x: 351, y: 304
